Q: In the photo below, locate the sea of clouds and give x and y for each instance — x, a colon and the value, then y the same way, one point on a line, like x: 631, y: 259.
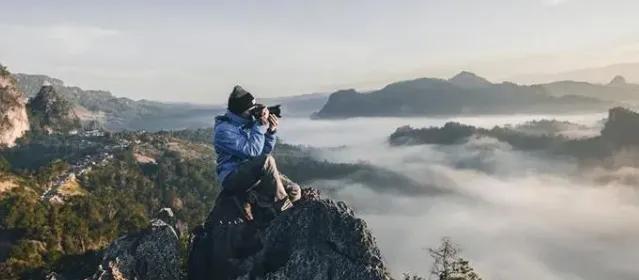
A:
x: 516, y: 215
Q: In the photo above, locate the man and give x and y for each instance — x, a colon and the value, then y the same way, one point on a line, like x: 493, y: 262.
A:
x: 243, y: 144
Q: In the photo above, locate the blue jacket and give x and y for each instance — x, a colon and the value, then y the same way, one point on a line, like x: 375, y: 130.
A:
x: 237, y: 139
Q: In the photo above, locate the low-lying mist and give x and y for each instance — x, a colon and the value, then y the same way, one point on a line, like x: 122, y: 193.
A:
x: 517, y: 215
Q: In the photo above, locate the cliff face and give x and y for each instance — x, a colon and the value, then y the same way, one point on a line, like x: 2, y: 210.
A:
x: 52, y: 113
x: 14, y: 121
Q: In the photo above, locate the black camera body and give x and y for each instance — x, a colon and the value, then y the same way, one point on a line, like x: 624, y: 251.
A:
x: 275, y: 110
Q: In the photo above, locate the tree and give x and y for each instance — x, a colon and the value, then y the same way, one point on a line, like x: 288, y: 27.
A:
x: 4, y: 164
x: 448, y: 265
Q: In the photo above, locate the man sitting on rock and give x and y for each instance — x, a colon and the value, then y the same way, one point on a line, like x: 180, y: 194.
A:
x: 243, y: 143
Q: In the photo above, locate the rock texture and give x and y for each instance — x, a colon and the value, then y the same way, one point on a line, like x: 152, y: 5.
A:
x: 317, y: 239
x: 152, y: 254
x: 52, y: 113
x: 14, y: 121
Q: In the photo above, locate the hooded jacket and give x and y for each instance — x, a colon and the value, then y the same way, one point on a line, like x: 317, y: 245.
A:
x: 236, y: 140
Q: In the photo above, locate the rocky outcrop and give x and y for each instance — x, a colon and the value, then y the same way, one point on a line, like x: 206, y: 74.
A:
x: 152, y: 254
x: 52, y: 113
x: 316, y: 239
x: 14, y: 121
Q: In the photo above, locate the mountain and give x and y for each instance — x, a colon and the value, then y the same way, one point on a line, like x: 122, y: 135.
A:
x: 14, y: 121
x: 592, y: 75
x: 299, y: 105
x: 316, y: 239
x: 617, y: 90
x: 469, y: 80
x: 65, y: 197
x: 118, y: 113
x: 466, y: 93
x: 51, y: 113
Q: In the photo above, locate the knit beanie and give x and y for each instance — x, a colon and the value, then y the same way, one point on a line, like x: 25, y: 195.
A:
x: 240, y: 100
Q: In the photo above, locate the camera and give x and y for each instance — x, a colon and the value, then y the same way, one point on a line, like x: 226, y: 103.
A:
x: 274, y: 110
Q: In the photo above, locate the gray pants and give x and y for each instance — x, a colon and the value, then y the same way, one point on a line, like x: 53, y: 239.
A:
x: 261, y: 175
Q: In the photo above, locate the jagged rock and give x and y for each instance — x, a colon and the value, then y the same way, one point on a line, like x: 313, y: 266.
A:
x: 52, y: 113
x: 316, y: 239
x: 166, y: 215
x: 152, y: 254
x: 14, y: 121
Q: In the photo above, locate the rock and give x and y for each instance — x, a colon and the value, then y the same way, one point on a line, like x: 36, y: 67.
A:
x: 52, y: 113
x: 316, y: 239
x: 152, y: 254
x: 53, y: 276
x: 14, y: 121
x: 320, y: 239
x: 166, y: 215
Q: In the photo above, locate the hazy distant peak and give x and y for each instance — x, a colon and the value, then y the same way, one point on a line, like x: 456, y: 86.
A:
x: 467, y: 79
x: 618, y: 81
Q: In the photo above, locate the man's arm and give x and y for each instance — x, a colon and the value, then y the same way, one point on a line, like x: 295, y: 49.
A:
x: 271, y: 139
x: 234, y: 142
x: 269, y: 143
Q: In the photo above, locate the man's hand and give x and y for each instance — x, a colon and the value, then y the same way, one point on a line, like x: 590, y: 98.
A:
x: 264, y: 119
x: 273, y: 121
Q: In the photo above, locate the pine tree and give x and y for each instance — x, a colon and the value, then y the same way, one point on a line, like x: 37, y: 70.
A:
x: 448, y: 265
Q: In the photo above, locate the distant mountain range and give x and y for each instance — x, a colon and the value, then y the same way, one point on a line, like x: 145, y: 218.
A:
x: 467, y: 93
x: 299, y: 105
x: 119, y: 113
x: 592, y: 75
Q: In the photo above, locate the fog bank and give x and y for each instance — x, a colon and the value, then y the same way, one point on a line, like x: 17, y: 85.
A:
x: 517, y: 215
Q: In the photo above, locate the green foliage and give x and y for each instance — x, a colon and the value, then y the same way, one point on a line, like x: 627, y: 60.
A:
x: 447, y: 264
x: 5, y: 165
x: 202, y: 135
x: 121, y: 195
x: 450, y: 133
x: 3, y: 71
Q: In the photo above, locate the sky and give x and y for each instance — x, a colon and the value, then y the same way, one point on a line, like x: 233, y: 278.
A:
x: 195, y: 51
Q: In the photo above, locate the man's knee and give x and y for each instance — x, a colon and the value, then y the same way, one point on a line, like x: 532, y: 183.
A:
x: 294, y: 191
x: 267, y: 161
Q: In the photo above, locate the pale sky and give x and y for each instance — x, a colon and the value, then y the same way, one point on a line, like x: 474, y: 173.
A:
x: 195, y: 51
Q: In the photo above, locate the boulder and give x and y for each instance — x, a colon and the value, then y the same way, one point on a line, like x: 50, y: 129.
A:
x: 152, y: 254
x: 316, y: 239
